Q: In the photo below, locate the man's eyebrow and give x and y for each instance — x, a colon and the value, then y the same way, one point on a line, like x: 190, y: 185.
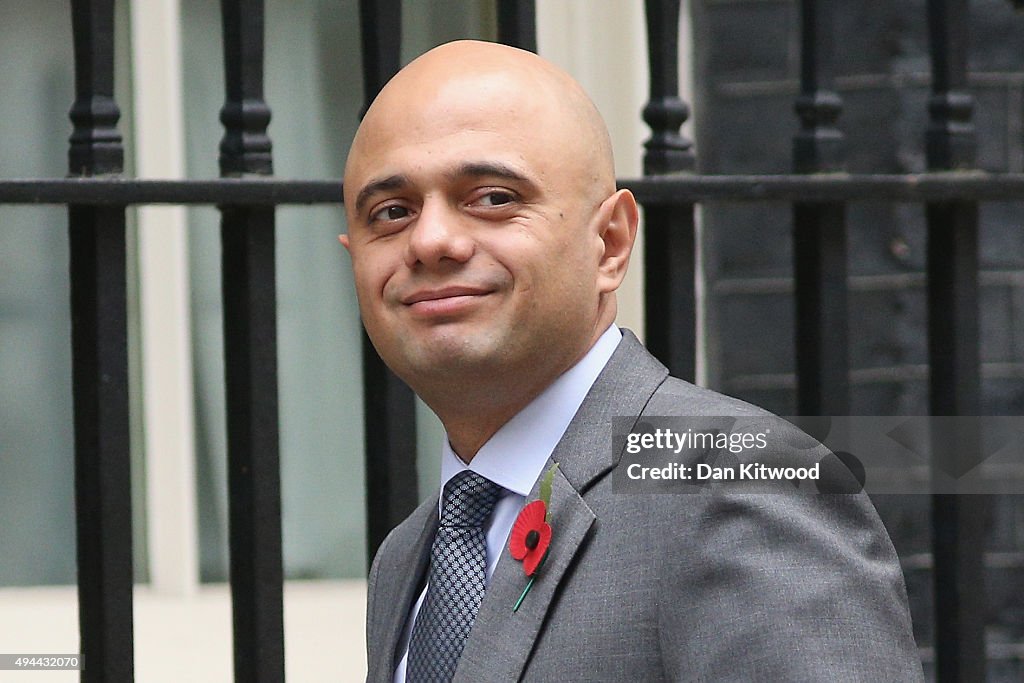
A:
x: 478, y: 169
x: 395, y: 182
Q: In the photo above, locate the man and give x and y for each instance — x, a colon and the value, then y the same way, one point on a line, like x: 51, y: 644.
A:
x: 487, y: 240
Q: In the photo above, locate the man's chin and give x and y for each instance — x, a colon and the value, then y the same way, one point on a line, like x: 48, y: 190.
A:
x: 452, y: 358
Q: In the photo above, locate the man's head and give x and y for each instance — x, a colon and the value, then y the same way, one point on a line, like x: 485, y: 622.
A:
x: 486, y: 234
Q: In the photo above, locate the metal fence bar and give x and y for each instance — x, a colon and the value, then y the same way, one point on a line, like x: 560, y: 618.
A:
x: 958, y: 522
x: 975, y: 186
x: 389, y: 404
x: 380, y: 27
x: 517, y: 23
x: 819, y: 228
x: 250, y: 360
x: 920, y: 187
x: 99, y: 341
x: 669, y: 228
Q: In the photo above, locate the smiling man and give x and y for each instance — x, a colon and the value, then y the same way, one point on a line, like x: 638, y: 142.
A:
x: 487, y: 240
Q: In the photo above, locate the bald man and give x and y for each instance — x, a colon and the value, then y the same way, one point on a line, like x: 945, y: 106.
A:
x: 487, y: 241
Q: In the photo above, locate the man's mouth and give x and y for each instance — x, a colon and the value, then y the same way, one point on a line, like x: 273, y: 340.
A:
x: 443, y: 301
x: 437, y: 294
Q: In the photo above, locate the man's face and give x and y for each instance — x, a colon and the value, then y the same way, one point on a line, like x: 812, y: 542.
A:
x: 472, y: 234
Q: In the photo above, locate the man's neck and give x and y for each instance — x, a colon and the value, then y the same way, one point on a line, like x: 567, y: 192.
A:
x: 474, y: 416
x: 472, y: 422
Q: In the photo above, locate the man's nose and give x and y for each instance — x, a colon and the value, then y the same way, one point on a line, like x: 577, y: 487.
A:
x: 438, y: 235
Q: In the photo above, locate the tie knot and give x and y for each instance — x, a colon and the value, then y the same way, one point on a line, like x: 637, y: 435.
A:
x: 468, y: 500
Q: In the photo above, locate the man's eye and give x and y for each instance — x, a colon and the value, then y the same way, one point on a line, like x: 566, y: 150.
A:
x: 390, y: 213
x: 497, y: 198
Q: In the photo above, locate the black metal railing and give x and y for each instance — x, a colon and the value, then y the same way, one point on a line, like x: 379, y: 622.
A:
x: 954, y: 357
x: 99, y: 352
x: 248, y: 289
x: 670, y: 249
x: 819, y: 227
x: 97, y: 197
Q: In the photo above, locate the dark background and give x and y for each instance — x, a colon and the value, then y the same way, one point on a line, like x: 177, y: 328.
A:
x: 747, y: 75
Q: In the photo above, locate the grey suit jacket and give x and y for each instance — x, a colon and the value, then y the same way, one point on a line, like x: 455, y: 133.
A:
x: 662, y: 587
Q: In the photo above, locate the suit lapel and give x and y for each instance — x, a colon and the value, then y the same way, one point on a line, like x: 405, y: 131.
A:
x: 395, y: 604
x: 622, y: 390
x: 501, y: 640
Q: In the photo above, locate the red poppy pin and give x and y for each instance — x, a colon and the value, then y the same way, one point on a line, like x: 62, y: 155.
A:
x: 531, y: 533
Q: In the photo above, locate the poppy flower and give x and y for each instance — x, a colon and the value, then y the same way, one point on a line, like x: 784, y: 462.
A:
x: 530, y: 536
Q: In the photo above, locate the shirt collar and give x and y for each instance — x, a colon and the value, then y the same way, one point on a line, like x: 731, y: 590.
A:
x: 515, y: 455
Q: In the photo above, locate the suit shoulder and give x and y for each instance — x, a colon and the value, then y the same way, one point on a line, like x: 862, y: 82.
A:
x: 408, y: 531
x: 676, y: 398
x: 679, y: 397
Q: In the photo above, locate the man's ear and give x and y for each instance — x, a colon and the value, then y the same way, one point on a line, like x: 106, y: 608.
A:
x: 619, y: 218
x: 344, y: 241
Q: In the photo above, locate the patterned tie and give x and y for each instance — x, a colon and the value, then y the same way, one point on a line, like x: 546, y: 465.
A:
x: 458, y: 569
